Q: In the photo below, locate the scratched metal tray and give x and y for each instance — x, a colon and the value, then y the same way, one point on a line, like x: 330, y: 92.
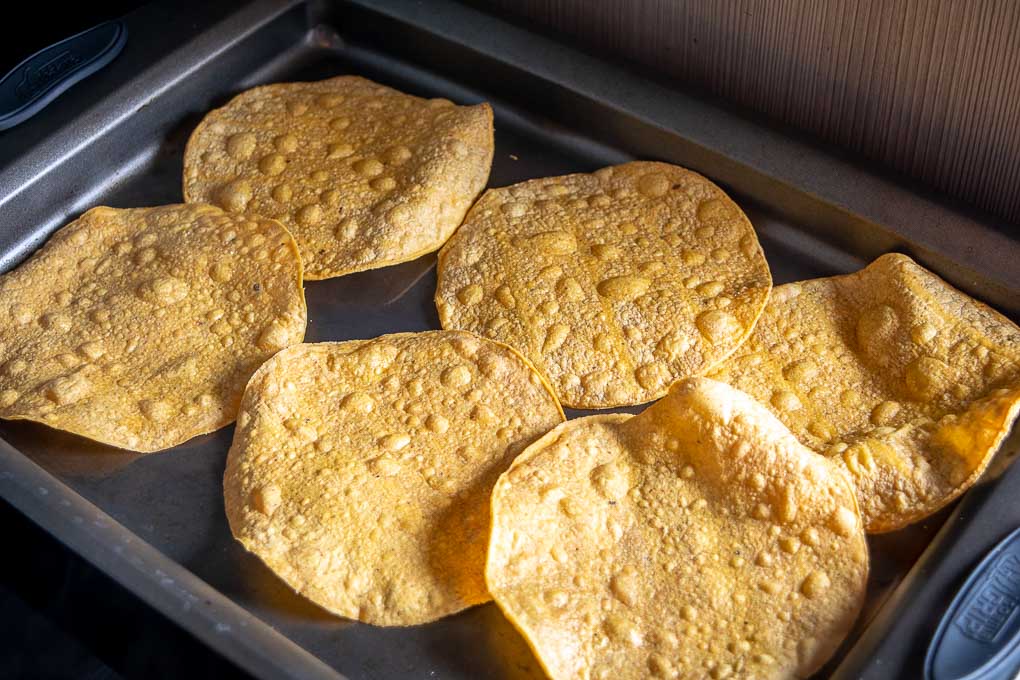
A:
x: 156, y: 523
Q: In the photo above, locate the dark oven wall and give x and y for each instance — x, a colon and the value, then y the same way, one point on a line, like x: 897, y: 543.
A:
x: 929, y: 88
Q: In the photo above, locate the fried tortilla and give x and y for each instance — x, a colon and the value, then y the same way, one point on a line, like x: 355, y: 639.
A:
x: 615, y: 284
x: 139, y: 328
x: 698, y: 539
x: 904, y: 380
x: 361, y: 471
x: 364, y: 176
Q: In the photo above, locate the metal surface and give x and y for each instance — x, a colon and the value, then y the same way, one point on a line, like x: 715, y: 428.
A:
x: 156, y: 522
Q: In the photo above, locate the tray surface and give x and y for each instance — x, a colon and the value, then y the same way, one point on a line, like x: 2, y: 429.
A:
x: 173, y: 501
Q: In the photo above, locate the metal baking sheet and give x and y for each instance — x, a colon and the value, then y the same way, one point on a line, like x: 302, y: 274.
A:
x: 155, y: 523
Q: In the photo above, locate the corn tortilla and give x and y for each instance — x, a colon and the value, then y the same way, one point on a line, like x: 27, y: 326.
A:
x: 364, y: 176
x: 906, y: 381
x: 139, y: 328
x: 615, y: 284
x: 697, y: 539
x: 361, y: 471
